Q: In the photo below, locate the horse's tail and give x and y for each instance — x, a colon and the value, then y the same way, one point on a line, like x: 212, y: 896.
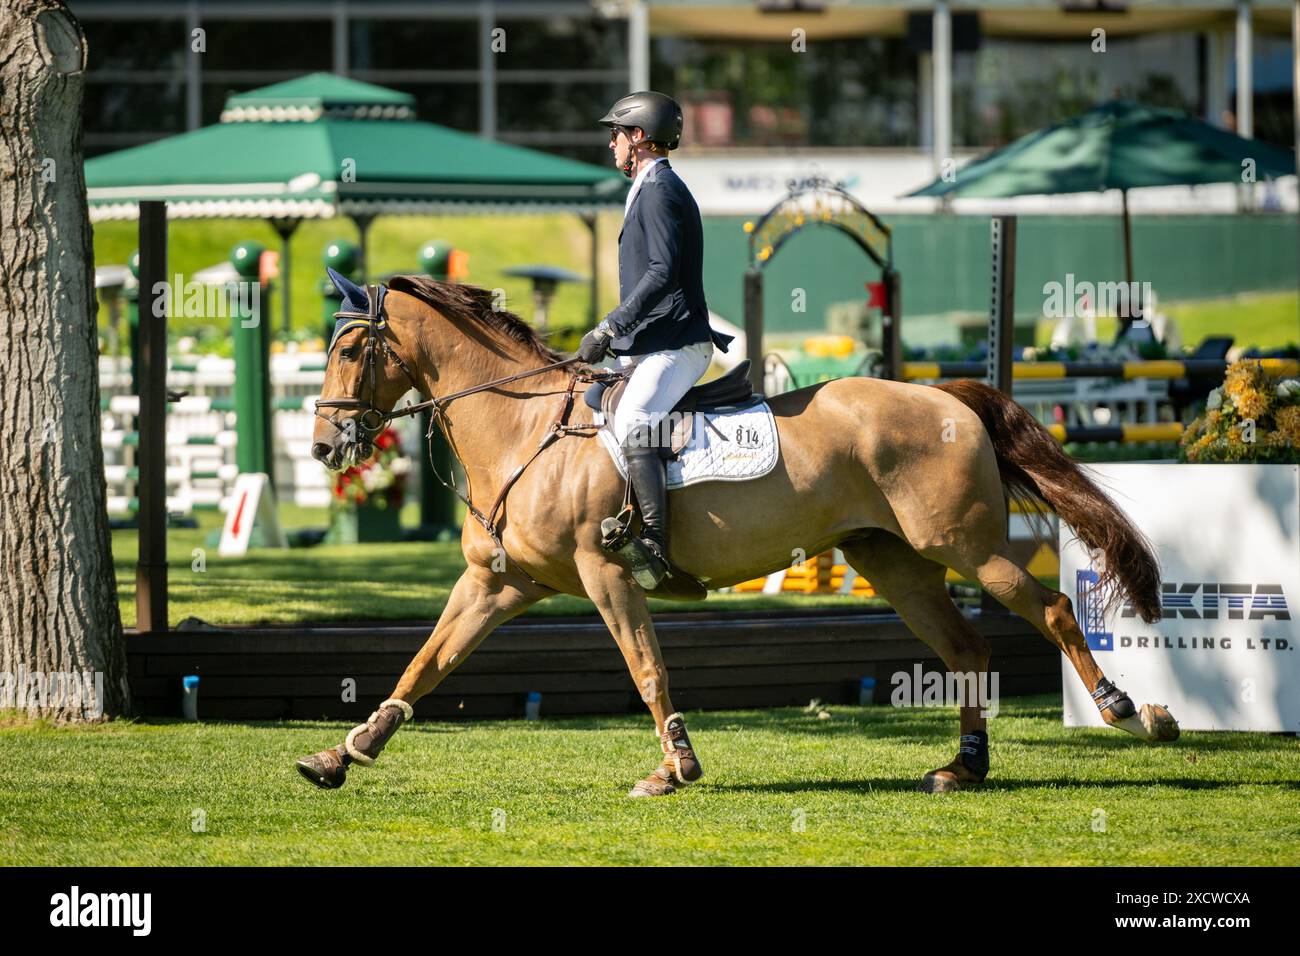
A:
x: 1035, y: 469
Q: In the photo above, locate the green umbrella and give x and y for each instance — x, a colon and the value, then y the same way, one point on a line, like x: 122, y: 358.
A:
x: 321, y: 146
x: 1119, y: 145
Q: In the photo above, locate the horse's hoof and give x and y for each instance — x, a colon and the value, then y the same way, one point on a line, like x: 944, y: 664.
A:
x: 323, y: 769
x: 648, y: 788
x: 1153, y: 723
x: 658, y: 784
x: 940, y: 781
x: 1160, y: 724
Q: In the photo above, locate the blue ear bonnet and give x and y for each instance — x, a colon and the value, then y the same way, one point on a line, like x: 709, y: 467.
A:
x: 354, y: 300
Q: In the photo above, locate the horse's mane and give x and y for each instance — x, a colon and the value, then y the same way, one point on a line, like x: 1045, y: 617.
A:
x: 455, y: 300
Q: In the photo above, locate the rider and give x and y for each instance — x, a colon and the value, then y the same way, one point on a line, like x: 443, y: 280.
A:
x: 661, y: 328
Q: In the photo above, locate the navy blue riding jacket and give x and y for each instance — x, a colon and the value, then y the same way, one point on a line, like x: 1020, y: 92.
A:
x: 661, y: 270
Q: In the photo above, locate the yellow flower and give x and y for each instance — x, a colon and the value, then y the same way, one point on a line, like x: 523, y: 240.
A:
x: 1288, y: 423
x: 1252, y: 404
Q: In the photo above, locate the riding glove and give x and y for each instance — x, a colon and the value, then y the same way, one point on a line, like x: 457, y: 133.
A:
x: 595, y: 344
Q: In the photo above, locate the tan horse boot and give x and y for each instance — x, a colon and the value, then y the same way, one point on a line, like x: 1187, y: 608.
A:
x: 328, y: 769
x: 968, y: 768
x: 366, y: 741
x: 680, y: 765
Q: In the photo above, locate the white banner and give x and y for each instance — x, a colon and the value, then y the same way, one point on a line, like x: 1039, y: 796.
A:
x: 736, y: 184
x: 1223, y: 656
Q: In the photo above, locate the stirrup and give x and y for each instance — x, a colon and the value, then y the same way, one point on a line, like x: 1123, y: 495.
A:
x: 648, y: 569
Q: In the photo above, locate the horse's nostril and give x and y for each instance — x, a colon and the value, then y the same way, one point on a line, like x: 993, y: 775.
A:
x: 321, y: 450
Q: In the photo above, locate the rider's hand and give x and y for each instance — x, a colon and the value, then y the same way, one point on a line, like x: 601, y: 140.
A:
x: 595, y: 344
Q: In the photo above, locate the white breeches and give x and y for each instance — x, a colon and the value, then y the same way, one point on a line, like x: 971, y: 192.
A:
x: 658, y: 382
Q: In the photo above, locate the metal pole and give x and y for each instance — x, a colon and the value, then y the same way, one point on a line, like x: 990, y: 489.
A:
x: 193, y: 70
x: 891, y: 331
x: 340, y: 38
x: 363, y: 223
x: 754, y: 327
x: 942, y: 53
x: 1002, y: 327
x: 285, y: 228
x: 638, y: 46
x: 593, y: 314
x: 925, y: 97
x: 1128, y: 239
x: 487, y: 88
x: 1295, y: 96
x: 1245, y: 73
x: 252, y: 366
x: 151, y: 564
x: 1002, y: 306
x: 1216, y: 81
x: 1245, y: 95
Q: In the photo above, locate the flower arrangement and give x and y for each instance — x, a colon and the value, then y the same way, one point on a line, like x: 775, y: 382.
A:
x: 1248, y: 418
x: 379, y: 482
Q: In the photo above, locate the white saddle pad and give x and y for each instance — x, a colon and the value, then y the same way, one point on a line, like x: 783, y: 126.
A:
x: 735, y: 446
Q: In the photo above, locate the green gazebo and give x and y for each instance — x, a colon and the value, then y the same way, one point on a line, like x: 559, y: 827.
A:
x: 325, y: 146
x: 322, y: 146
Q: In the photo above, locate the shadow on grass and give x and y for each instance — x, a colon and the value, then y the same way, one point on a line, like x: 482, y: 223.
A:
x: 872, y: 784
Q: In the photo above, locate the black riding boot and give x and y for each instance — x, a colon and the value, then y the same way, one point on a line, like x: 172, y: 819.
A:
x: 645, y: 469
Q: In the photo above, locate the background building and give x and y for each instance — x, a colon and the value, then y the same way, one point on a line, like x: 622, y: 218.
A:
x: 868, y: 78
x: 858, y: 90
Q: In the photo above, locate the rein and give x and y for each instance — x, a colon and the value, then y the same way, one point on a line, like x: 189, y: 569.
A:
x: 375, y: 342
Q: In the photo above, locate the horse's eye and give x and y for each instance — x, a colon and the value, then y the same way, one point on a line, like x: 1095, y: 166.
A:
x: 350, y: 352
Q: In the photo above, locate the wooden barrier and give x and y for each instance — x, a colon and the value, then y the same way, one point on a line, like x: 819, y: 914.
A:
x: 1157, y: 369
x: 715, y: 661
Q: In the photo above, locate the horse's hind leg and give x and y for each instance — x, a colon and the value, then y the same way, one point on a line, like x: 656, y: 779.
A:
x: 915, y: 587
x: 1053, y: 614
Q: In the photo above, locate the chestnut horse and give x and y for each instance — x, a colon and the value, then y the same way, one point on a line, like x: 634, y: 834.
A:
x: 906, y: 480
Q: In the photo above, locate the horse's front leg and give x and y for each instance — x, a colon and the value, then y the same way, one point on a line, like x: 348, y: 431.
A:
x: 623, y: 606
x: 481, y: 600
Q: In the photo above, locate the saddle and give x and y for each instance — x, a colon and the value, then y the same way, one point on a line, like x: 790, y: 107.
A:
x: 730, y: 392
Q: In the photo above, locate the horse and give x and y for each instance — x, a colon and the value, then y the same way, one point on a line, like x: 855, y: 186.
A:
x: 907, y: 480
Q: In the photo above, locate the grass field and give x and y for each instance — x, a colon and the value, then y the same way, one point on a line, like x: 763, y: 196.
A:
x: 781, y: 788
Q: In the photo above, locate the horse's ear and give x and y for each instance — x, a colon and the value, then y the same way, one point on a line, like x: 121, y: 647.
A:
x: 354, y: 297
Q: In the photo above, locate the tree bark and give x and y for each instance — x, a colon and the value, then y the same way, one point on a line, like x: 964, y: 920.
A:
x: 62, y: 653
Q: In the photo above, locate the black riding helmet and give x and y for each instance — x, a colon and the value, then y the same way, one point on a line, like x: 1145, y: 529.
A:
x: 658, y: 115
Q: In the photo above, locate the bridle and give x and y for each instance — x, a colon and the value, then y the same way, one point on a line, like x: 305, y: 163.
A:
x: 374, y: 419
x: 374, y: 322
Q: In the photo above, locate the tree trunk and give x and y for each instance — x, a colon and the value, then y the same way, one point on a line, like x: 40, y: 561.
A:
x: 61, y: 647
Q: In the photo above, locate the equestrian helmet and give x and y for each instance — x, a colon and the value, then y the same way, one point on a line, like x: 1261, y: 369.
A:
x: 658, y: 115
